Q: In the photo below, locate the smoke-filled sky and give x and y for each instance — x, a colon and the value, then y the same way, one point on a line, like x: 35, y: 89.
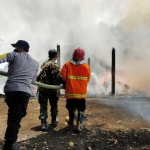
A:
x: 97, y: 26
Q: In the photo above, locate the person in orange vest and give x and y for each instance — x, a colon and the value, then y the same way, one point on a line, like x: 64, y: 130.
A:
x: 76, y: 75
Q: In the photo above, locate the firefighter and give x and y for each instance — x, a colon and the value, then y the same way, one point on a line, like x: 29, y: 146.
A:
x: 76, y: 75
x: 49, y: 74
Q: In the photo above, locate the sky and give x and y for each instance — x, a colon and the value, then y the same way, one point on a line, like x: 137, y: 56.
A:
x: 97, y: 26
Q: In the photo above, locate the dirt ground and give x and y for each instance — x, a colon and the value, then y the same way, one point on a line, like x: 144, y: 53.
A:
x: 106, y: 127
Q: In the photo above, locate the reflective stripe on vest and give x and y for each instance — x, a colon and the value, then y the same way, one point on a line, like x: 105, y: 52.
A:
x: 76, y: 95
x: 78, y: 77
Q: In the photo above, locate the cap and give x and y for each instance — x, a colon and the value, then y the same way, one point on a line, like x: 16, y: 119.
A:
x: 23, y: 44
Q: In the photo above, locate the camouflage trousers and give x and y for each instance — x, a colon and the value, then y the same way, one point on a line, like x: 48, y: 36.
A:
x: 44, y: 97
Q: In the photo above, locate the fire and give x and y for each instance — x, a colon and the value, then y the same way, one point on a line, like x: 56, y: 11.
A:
x: 101, y: 84
x: 118, y: 79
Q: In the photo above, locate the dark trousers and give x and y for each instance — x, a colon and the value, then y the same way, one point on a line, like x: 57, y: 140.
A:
x: 44, y: 96
x: 17, y: 105
x: 76, y: 104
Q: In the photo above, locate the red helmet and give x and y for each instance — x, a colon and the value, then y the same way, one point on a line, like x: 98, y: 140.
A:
x: 78, y: 54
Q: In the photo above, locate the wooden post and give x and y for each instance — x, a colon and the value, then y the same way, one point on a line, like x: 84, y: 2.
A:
x: 113, y: 72
x: 58, y: 60
x: 58, y: 53
x: 89, y: 61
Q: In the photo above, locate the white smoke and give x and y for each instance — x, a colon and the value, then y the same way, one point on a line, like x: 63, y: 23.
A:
x: 96, y: 26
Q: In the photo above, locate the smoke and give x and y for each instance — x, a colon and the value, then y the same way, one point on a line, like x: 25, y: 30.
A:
x: 96, y: 26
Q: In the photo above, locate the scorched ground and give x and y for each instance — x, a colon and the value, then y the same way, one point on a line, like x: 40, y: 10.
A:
x: 107, y: 127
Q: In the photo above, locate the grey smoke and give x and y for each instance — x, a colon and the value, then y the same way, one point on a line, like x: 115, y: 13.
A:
x: 96, y: 26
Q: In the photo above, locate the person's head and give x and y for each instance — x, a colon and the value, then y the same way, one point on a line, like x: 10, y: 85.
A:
x: 21, y: 46
x: 52, y: 54
x: 78, y: 54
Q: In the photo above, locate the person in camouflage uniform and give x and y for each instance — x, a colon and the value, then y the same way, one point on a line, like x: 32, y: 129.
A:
x: 49, y: 74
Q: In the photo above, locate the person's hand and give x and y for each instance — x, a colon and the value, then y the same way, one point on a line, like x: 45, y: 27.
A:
x: 38, y: 78
x: 63, y: 83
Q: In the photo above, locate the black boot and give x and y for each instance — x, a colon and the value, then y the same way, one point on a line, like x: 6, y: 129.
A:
x: 44, y: 124
x: 79, y: 126
x: 54, y: 121
x: 70, y: 119
x: 15, y: 147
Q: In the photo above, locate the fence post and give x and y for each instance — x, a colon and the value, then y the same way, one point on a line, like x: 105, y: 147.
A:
x: 113, y: 72
x: 58, y: 60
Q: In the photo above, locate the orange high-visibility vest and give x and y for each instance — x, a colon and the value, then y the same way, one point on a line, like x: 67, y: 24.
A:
x: 76, y: 78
